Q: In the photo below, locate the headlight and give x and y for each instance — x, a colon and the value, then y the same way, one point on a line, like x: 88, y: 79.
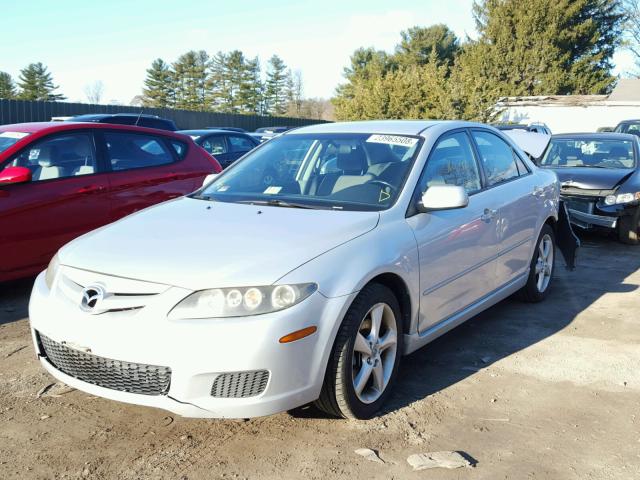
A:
x: 621, y: 198
x: 240, y: 302
x: 52, y: 271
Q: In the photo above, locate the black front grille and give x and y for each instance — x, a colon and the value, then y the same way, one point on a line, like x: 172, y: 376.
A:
x: 240, y: 384
x: 105, y: 372
x: 579, y: 205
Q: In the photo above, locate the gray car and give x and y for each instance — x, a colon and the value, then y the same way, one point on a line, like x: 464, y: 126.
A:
x: 303, y: 273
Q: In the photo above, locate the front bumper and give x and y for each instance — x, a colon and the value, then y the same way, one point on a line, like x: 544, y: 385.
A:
x: 590, y: 212
x: 196, y: 351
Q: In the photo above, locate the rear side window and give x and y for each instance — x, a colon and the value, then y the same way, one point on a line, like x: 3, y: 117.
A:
x: 128, y: 151
x: 179, y: 147
x: 498, y: 158
x: 240, y: 144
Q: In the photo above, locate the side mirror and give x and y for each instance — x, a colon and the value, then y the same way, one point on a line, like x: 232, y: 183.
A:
x: 443, y: 197
x: 12, y: 175
x: 209, y: 178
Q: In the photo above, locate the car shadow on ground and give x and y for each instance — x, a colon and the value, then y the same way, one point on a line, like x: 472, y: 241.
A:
x: 511, y: 325
x: 14, y: 300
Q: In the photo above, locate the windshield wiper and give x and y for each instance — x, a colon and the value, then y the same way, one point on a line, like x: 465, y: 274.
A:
x: 274, y: 202
x: 201, y: 196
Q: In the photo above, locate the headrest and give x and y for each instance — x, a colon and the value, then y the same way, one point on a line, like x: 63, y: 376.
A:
x: 353, y: 161
x: 48, y: 156
x: 380, y: 153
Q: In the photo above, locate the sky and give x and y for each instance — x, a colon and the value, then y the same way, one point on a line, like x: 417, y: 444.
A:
x: 115, y: 41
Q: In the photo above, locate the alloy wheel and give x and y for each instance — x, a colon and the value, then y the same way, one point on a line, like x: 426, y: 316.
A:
x: 544, y: 264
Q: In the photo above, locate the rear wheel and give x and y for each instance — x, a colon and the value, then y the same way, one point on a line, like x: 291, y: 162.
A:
x: 365, y: 356
x: 629, y: 228
x: 541, y: 267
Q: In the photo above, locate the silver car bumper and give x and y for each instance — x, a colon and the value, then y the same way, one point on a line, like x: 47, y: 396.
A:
x: 588, y: 220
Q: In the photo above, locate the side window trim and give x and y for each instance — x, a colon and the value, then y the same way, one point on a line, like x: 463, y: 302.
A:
x: 84, y: 131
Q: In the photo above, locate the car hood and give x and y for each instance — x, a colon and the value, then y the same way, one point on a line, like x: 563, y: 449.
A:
x: 592, y: 178
x: 198, y: 244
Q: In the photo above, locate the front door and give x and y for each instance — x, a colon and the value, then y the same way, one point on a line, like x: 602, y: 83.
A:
x: 68, y: 196
x: 456, y: 248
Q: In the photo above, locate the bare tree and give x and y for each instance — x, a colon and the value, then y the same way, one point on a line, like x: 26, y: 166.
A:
x: 632, y: 27
x: 94, y: 92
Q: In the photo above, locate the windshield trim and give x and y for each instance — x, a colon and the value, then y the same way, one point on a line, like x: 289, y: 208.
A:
x: 340, y: 205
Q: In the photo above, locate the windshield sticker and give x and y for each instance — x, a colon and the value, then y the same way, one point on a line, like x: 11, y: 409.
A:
x: 34, y: 153
x: 393, y: 140
x: 384, y: 196
x: 272, y: 190
x: 17, y: 135
x: 223, y: 188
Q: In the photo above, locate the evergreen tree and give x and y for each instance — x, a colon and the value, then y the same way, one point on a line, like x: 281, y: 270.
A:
x: 276, y: 87
x: 7, y: 87
x: 251, y: 87
x: 417, y: 43
x: 190, y: 80
x: 36, y: 83
x: 159, y: 88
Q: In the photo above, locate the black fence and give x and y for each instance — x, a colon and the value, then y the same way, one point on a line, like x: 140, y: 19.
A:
x: 19, y: 111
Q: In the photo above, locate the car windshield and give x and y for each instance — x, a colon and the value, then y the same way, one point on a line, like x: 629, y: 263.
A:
x: 333, y: 171
x: 585, y: 152
x: 628, y: 128
x: 9, y: 138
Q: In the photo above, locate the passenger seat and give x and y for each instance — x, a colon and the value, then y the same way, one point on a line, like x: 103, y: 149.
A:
x: 352, y: 163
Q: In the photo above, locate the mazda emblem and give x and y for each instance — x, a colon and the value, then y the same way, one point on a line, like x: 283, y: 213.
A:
x: 91, y: 297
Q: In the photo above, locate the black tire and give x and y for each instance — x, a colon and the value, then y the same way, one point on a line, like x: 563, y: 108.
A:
x: 530, y: 292
x: 338, y: 397
x: 629, y: 228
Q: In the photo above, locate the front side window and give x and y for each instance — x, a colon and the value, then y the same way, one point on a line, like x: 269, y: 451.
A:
x: 240, y: 144
x: 214, y: 145
x: 61, y: 156
x: 128, y: 151
x: 589, y: 152
x: 334, y: 171
x: 451, y: 163
x: 497, y: 157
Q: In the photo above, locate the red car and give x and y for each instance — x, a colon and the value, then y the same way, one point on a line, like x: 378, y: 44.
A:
x: 60, y: 180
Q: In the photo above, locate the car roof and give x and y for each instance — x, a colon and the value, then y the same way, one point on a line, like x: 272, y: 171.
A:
x: 209, y: 131
x: 597, y: 136
x: 99, y: 116
x: 397, y: 127
x: 50, y: 127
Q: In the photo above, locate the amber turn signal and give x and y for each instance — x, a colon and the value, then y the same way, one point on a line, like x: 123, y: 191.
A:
x: 298, y: 334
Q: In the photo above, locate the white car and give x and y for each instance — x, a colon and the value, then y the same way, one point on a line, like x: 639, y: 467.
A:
x: 282, y: 282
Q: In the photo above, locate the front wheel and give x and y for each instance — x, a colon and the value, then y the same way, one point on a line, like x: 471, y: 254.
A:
x: 629, y: 228
x: 365, y: 356
x: 541, y: 267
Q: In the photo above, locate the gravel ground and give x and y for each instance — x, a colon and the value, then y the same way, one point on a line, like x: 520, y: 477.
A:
x: 547, y: 391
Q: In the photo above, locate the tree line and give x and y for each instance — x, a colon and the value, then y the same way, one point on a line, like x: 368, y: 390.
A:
x: 226, y: 82
x: 524, y: 47
x: 34, y: 83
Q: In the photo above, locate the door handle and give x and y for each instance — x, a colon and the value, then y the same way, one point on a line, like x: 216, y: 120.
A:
x: 488, y: 214
x: 538, y: 191
x: 90, y: 189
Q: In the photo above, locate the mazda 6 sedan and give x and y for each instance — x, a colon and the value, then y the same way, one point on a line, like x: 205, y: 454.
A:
x: 302, y: 273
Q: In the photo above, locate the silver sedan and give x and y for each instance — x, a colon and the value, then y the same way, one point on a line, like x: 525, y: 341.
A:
x: 303, y: 273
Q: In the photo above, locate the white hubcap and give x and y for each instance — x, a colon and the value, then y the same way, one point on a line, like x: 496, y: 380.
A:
x: 374, y: 353
x: 544, y: 264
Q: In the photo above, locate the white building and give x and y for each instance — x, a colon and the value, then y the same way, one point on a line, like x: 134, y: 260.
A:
x: 575, y: 113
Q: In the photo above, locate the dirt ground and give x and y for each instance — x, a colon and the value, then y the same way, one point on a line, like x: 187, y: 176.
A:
x: 549, y: 391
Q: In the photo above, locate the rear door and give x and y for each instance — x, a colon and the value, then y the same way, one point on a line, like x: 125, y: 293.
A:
x: 519, y: 203
x: 145, y: 169
x: 68, y: 196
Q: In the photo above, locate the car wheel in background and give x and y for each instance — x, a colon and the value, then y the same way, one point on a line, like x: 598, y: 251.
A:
x: 629, y: 228
x: 541, y: 268
x: 365, y: 357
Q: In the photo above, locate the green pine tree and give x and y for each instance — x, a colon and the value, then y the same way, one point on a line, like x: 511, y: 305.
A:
x: 417, y: 43
x: 190, y: 80
x: 250, y: 92
x: 36, y: 83
x: 7, y: 87
x: 276, y: 87
x: 159, y: 88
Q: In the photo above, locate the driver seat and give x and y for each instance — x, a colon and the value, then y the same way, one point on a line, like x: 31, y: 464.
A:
x: 353, y: 163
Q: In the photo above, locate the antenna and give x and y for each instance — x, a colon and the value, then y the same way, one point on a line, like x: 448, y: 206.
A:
x: 138, y: 119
